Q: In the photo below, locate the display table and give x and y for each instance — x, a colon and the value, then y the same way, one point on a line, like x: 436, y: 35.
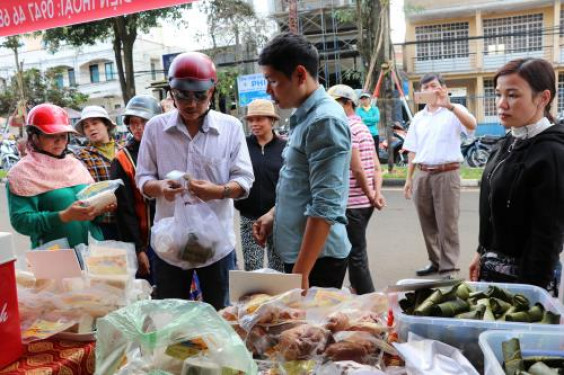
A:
x: 54, y: 357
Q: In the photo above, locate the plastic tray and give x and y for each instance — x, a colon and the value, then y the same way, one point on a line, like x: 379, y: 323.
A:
x: 463, y: 333
x: 490, y: 342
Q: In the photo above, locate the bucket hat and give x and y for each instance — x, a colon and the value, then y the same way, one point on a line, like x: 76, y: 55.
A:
x: 94, y: 111
x: 261, y: 107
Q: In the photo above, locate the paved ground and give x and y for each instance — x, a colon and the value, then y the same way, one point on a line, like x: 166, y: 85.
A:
x: 396, y: 247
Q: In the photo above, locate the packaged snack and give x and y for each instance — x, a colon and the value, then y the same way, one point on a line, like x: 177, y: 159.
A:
x: 99, y: 194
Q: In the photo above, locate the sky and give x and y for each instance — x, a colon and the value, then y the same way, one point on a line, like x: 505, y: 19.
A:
x: 192, y: 39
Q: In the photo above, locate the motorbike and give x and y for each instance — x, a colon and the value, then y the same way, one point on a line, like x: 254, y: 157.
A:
x: 9, y: 155
x: 476, y: 150
x: 398, y: 138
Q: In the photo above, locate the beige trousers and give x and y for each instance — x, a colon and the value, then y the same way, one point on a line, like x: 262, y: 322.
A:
x: 437, y: 200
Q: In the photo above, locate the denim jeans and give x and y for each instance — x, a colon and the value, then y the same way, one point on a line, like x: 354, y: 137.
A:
x: 326, y: 273
x: 359, y: 272
x: 174, y: 282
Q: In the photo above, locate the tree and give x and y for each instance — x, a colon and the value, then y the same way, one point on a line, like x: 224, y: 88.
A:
x: 40, y: 88
x: 122, y: 31
x: 233, y: 24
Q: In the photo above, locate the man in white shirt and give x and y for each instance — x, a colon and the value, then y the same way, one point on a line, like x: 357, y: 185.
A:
x: 433, y: 142
x: 209, y: 146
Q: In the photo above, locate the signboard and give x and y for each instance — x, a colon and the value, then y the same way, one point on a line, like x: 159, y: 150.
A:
x: 24, y: 16
x: 167, y: 60
x: 251, y: 87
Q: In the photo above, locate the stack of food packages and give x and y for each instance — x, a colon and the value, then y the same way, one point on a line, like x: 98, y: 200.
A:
x: 295, y: 334
x: 72, y: 305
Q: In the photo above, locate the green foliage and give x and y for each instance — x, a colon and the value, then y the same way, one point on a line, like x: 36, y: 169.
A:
x: 92, y: 32
x: 40, y: 88
x: 226, y: 81
x: 346, y: 15
x: 122, y: 31
x: 352, y: 75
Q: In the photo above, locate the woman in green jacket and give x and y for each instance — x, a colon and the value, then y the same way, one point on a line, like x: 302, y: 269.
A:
x: 42, y: 186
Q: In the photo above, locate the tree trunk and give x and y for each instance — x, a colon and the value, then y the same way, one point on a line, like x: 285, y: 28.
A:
x: 125, y: 33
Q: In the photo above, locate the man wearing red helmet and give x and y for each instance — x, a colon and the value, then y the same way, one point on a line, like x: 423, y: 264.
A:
x: 211, y: 148
x: 42, y: 186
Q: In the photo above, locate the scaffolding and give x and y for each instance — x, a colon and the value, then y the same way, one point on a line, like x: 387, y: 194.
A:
x: 331, y: 26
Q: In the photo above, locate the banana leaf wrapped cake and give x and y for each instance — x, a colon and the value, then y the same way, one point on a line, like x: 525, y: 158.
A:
x: 463, y: 302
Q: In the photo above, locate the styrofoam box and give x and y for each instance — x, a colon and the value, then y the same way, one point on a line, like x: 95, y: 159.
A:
x: 463, y: 333
x: 490, y: 342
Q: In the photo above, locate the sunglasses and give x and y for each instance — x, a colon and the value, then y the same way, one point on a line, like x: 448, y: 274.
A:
x: 189, y: 95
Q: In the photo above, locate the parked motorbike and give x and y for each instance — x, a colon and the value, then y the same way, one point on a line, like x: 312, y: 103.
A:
x: 476, y: 150
x: 398, y: 138
x: 9, y: 155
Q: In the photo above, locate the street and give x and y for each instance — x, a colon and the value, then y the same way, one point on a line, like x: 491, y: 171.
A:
x: 396, y: 247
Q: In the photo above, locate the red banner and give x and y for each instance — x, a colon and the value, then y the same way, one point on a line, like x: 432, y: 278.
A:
x: 24, y: 16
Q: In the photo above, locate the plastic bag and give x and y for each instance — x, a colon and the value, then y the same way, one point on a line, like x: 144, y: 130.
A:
x: 151, y: 336
x: 99, y: 194
x: 194, y: 237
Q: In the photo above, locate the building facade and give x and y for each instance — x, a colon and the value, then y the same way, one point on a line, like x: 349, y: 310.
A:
x: 467, y: 42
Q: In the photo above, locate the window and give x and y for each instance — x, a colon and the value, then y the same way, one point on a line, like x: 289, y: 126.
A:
x: 94, y: 74
x: 446, y: 41
x: 59, y: 81
x: 561, y: 22
x: 489, y: 98
x: 110, y: 74
x: 513, y: 34
x: 153, y: 70
x: 72, y: 77
x: 560, y: 93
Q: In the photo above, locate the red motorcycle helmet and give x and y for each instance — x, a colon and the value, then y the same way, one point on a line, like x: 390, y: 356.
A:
x: 192, y: 71
x: 49, y: 119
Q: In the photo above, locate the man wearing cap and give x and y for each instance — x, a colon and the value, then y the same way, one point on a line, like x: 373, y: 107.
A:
x: 370, y: 115
x: 208, y: 146
x: 97, y: 155
x: 265, y: 148
x: 365, y: 184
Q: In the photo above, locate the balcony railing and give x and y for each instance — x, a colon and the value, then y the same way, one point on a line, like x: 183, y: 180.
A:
x: 476, y: 59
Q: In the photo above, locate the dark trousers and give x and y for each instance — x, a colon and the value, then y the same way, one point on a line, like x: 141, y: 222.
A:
x: 326, y: 273
x: 376, y: 139
x: 359, y: 272
x: 110, y: 231
x: 174, y: 282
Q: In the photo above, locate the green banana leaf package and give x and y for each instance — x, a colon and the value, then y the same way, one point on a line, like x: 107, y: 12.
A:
x: 514, y: 363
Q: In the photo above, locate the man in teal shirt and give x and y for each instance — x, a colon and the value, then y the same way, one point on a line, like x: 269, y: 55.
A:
x: 311, y: 196
x: 370, y: 115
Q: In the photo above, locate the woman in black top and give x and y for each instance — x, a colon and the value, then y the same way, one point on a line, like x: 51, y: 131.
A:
x: 522, y: 190
x: 265, y: 148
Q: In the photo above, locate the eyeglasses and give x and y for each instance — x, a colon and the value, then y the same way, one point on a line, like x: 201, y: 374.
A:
x: 189, y: 95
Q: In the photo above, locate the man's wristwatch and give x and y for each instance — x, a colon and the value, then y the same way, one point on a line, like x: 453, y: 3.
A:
x: 226, y: 192
x: 452, y: 107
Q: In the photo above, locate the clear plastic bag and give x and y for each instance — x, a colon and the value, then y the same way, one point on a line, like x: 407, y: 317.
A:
x: 194, y: 237
x: 151, y: 336
x: 99, y: 194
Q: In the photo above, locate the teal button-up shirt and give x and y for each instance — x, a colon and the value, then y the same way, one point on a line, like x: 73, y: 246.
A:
x: 314, y: 179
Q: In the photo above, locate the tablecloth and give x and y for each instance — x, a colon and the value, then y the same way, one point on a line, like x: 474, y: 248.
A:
x: 54, y: 357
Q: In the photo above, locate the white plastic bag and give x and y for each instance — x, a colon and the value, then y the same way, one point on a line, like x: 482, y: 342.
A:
x: 194, y: 237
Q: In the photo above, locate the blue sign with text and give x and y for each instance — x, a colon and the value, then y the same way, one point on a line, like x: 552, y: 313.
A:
x: 251, y: 87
